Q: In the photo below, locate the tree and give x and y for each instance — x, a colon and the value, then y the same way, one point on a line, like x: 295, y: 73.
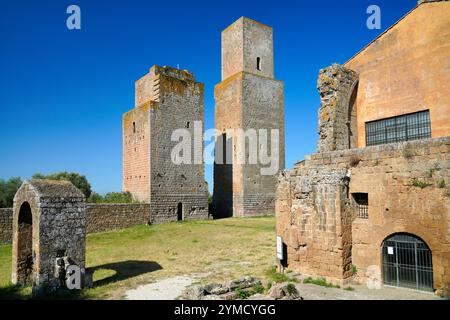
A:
x: 8, y: 190
x: 111, y: 197
x: 78, y: 180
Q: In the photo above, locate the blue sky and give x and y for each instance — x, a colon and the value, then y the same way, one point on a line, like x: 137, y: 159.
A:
x: 63, y: 92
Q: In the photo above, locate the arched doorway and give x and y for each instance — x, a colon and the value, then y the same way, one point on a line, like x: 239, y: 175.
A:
x: 407, y: 262
x: 25, y: 245
x: 180, y: 211
x: 351, y: 118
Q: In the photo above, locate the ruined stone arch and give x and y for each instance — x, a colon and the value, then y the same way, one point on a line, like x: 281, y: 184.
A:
x: 338, y: 87
x: 352, y: 123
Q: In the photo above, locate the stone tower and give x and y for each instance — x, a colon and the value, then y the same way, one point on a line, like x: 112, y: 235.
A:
x: 247, y: 98
x: 166, y: 99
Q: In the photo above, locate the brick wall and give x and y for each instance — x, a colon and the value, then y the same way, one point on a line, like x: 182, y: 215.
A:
x: 100, y: 218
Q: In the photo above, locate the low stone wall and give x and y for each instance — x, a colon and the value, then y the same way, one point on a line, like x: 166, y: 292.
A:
x: 6, y: 225
x: 100, y: 218
x: 106, y: 217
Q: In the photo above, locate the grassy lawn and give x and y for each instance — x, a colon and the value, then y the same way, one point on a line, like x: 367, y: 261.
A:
x: 219, y: 249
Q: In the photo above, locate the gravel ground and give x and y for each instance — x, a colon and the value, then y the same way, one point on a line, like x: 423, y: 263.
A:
x: 313, y: 292
x: 171, y: 289
x: 167, y: 289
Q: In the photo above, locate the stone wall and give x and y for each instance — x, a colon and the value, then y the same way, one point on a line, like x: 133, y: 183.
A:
x: 408, y: 187
x: 104, y: 217
x: 6, y: 225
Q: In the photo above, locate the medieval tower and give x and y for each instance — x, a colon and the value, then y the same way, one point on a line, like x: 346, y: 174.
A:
x: 166, y: 99
x: 249, y: 99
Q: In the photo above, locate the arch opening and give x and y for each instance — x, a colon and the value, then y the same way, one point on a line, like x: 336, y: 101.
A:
x: 25, y: 245
x: 180, y: 211
x: 351, y: 119
x: 407, y: 262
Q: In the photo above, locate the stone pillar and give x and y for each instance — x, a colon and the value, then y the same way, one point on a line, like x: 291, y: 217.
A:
x: 337, y: 118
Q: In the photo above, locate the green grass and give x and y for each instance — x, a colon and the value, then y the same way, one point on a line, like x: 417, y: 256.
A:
x: 320, y: 282
x: 272, y: 275
x: 125, y: 259
x: 349, y: 289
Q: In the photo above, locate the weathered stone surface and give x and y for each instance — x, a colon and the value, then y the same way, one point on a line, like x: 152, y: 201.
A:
x: 196, y: 292
x: 167, y: 99
x: 337, y: 118
x: 244, y: 100
x: 243, y: 283
x: 314, y: 202
x: 49, y: 233
x: 284, y: 291
x: 225, y: 291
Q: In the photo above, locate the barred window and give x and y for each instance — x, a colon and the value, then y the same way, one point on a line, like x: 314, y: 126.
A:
x: 407, y: 127
x: 362, y: 205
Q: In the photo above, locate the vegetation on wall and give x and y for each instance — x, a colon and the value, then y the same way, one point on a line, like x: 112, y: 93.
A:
x: 8, y: 189
x: 112, y: 197
x: 77, y: 179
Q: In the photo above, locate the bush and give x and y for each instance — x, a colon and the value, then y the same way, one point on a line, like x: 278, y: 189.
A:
x: 78, y: 180
x: 349, y: 289
x: 419, y: 184
x: 275, y: 276
x: 320, y: 282
x: 243, y: 294
x: 8, y: 190
x: 291, y: 289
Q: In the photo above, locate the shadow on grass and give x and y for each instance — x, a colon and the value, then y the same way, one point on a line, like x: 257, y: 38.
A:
x: 13, y: 292
x: 124, y: 270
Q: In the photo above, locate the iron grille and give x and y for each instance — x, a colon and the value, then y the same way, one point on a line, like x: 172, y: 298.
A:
x: 407, y: 127
x: 362, y: 205
x: 407, y: 262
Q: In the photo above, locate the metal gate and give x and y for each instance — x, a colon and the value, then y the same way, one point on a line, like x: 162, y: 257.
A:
x: 407, y: 263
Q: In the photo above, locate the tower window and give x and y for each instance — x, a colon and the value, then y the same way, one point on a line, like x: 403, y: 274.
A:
x: 134, y: 127
x: 188, y: 124
x: 258, y: 64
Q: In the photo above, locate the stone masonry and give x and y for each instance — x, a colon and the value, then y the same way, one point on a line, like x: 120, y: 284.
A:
x: 49, y: 223
x: 381, y: 214
x: 166, y: 99
x: 100, y: 217
x: 337, y: 118
x: 317, y: 217
x: 247, y: 98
